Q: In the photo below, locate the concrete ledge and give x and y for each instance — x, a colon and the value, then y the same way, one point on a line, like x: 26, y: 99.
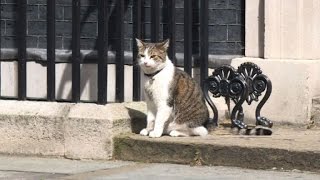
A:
x: 76, y: 131
x: 287, y: 149
x: 91, y: 57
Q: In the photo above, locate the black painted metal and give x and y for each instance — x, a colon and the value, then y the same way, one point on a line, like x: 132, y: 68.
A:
x: 102, y: 51
x: 102, y: 47
x: 172, y: 30
x: 204, y: 42
x: 51, y: 45
x: 136, y: 34
x: 238, y: 92
x: 226, y: 83
x: 246, y: 83
x: 188, y: 36
x: 0, y: 53
x: 76, y: 50
x: 206, y: 87
x: 120, y: 53
x: 22, y: 49
x: 155, y: 20
x: 257, y: 84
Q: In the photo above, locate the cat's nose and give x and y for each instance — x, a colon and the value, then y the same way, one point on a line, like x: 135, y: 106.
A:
x: 146, y: 64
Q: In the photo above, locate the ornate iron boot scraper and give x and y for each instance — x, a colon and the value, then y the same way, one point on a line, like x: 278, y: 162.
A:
x: 246, y: 83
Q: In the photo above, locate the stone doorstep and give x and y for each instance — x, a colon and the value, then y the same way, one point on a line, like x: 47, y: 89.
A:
x: 90, y: 131
x: 75, y: 131
x: 287, y: 149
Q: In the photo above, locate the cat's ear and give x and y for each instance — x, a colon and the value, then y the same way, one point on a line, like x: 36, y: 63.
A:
x: 139, y: 42
x: 165, y: 44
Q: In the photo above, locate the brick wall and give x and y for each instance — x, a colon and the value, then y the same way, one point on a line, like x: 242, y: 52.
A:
x: 226, y: 24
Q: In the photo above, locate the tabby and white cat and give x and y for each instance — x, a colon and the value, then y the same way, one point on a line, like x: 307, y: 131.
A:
x: 175, y: 102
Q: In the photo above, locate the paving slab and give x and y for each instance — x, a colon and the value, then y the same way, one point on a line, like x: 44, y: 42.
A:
x: 174, y: 172
x: 31, y: 168
x: 55, y: 165
x: 287, y: 148
x: 13, y: 175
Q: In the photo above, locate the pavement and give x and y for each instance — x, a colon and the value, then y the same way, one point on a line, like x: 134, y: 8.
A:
x: 287, y: 148
x: 33, y: 168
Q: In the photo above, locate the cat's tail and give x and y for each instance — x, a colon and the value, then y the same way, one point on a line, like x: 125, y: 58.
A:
x: 256, y: 131
x: 210, y: 125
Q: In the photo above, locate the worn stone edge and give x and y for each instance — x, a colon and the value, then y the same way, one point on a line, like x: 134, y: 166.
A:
x: 131, y: 149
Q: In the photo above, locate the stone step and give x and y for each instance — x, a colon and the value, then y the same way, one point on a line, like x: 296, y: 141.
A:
x: 315, y: 113
x: 74, y: 131
x: 286, y: 149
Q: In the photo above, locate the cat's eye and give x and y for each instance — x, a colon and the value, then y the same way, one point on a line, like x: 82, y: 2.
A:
x: 141, y: 55
x: 153, y: 56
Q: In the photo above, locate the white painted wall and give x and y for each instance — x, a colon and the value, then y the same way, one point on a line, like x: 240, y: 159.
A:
x: 37, y: 81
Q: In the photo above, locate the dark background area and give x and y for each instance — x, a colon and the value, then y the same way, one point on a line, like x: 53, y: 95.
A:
x: 226, y: 24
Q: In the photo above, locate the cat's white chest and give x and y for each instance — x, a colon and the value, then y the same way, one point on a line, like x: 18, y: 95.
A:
x: 157, y: 88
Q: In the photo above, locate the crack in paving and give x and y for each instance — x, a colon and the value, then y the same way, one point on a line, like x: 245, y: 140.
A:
x: 104, y: 172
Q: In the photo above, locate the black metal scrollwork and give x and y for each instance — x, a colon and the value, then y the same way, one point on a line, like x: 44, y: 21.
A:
x: 238, y: 93
x: 257, y: 83
x: 226, y: 82
x: 246, y: 83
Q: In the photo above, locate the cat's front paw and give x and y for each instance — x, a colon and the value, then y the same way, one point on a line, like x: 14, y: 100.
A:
x: 144, y: 132
x: 155, y: 134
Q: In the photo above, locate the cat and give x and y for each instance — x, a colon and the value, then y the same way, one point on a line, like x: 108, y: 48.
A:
x: 175, y: 102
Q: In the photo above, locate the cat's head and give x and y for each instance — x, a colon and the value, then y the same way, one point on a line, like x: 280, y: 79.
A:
x: 152, y: 56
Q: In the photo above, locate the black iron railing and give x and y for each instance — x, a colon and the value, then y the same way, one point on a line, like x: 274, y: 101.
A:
x: 102, y: 44
x: 51, y: 55
x: 22, y: 49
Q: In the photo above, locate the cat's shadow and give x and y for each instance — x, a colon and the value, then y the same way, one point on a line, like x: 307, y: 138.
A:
x: 138, y: 120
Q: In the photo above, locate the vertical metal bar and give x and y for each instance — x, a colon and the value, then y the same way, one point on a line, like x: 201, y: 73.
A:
x: 203, y: 41
x: 76, y: 50
x: 120, y: 54
x: 188, y: 36
x: 51, y: 43
x: 136, y: 34
x: 155, y: 20
x: 22, y: 49
x: 0, y: 52
x: 102, y: 51
x: 172, y: 30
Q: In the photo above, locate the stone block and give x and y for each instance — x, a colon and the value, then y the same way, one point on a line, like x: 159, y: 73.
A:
x: 218, y: 33
x: 90, y: 128
x: 222, y: 16
x: 293, y: 86
x: 292, y: 29
x: 75, y: 131
x: 254, y: 28
x: 37, y: 28
x: 32, y: 128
